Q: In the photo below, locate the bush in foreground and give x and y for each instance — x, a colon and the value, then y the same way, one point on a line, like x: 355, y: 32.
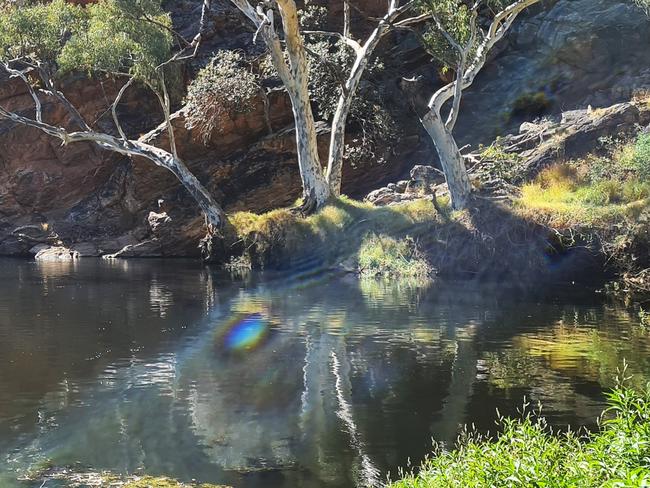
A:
x: 528, y: 453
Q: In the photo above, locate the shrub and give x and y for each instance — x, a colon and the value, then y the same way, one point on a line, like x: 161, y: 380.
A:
x: 531, y: 104
x: 503, y: 164
x: 226, y: 86
x: 564, y: 175
x: 642, y: 155
x: 528, y: 453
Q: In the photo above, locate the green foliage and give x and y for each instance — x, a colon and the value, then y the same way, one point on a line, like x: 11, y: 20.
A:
x: 455, y: 18
x: 382, y: 255
x: 531, y: 104
x: 529, y: 454
x: 38, y: 32
x: 109, y: 36
x: 121, y: 35
x: 641, y: 156
x: 226, y: 86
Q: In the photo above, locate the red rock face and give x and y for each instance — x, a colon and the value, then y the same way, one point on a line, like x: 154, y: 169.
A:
x: 98, y: 202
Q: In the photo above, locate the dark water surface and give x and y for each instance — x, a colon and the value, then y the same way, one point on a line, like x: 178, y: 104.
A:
x: 169, y: 368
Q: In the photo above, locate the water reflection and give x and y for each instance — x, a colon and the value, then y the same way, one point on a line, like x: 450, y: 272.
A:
x: 171, y: 369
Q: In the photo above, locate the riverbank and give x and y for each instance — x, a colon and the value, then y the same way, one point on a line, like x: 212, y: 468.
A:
x: 528, y: 453
x: 560, y: 202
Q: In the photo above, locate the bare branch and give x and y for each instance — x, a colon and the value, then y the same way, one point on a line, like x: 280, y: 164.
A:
x: 196, y: 42
x: 52, y: 90
x: 16, y: 73
x: 460, y: 71
x: 346, y: 19
x: 115, y: 104
x: 350, y: 42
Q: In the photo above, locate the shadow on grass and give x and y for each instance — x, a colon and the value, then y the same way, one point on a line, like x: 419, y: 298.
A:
x: 488, y: 241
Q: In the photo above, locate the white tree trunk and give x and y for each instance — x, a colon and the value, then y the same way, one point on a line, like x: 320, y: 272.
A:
x: 316, y: 191
x: 295, y: 77
x: 451, y: 160
x: 363, y: 55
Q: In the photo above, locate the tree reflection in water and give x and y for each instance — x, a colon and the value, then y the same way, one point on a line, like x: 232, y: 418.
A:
x: 175, y: 370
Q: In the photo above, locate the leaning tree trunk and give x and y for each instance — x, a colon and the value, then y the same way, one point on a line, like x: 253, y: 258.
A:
x: 215, y: 217
x: 451, y: 159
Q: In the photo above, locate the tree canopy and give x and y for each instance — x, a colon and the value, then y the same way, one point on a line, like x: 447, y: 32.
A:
x: 117, y: 36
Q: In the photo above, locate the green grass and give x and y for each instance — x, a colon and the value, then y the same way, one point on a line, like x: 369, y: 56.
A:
x: 562, y: 197
x: 528, y: 453
x: 597, y: 190
x: 384, y: 256
x: 335, y: 233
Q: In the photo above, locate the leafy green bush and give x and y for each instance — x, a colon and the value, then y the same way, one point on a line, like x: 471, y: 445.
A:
x: 642, y: 155
x: 528, y: 453
x: 114, y: 36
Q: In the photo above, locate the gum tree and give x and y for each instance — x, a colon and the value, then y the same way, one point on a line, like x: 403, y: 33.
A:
x: 289, y: 55
x: 456, y: 38
x: 643, y: 4
x: 124, y: 39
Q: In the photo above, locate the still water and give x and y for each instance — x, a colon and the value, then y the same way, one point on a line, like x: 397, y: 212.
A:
x: 170, y: 368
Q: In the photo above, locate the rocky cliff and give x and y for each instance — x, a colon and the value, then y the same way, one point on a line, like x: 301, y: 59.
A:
x: 572, y: 52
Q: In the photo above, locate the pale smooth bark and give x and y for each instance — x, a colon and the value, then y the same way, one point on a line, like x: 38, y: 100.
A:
x: 363, y: 55
x: 295, y: 77
x: 451, y: 159
x: 466, y: 71
x: 214, y: 214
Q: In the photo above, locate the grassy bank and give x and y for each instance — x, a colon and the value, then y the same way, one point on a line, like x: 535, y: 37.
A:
x: 338, y: 232
x: 597, y: 191
x: 596, y: 210
x: 528, y: 453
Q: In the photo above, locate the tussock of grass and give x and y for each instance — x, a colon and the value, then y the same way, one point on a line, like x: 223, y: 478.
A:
x: 336, y: 232
x: 385, y: 256
x: 529, y: 454
x: 564, y: 198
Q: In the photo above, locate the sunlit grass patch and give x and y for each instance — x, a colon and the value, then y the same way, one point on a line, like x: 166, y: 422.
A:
x: 528, y: 453
x: 332, y: 234
x: 381, y: 255
x: 564, y: 198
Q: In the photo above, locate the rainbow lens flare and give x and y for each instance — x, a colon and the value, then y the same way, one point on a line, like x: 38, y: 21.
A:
x: 246, y: 333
